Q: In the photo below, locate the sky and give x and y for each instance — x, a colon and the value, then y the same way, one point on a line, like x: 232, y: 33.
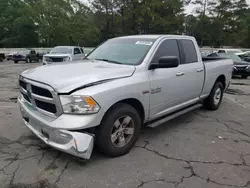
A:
x: 190, y: 8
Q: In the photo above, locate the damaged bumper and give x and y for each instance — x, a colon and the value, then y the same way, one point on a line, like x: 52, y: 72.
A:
x: 75, y: 143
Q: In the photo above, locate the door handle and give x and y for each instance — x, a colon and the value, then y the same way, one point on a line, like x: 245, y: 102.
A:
x: 199, y: 70
x: 180, y: 74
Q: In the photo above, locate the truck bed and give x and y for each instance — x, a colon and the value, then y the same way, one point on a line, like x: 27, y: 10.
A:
x: 214, y: 67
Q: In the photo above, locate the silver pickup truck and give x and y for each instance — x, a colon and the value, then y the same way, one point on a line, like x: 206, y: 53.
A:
x: 123, y: 84
x: 60, y: 54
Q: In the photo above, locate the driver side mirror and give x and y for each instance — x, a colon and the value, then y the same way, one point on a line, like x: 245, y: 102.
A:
x: 166, y: 62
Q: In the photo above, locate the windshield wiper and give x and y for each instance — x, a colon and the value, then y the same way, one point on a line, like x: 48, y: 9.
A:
x: 110, y: 61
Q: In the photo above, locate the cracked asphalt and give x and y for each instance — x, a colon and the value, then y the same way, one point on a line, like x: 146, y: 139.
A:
x: 199, y: 149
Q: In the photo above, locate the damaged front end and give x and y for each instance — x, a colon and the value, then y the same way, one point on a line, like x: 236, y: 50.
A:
x: 76, y: 143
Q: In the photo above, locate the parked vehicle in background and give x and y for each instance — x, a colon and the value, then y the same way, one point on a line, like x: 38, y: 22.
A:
x: 2, y: 57
x: 241, y: 68
x: 41, y: 54
x: 231, y: 51
x: 9, y: 56
x: 123, y: 84
x: 205, y: 53
x: 64, y: 53
x: 245, y: 56
x: 27, y: 55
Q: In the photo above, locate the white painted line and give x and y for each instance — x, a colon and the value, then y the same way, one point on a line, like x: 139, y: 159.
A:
x: 235, y: 102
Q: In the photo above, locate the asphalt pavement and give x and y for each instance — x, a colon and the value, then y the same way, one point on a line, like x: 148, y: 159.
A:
x: 201, y: 149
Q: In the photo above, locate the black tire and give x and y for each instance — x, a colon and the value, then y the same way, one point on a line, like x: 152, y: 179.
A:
x: 244, y: 76
x: 210, y: 103
x: 15, y: 62
x: 103, y: 135
x: 28, y: 60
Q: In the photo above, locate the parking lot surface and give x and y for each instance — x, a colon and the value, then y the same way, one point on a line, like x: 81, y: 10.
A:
x: 199, y: 149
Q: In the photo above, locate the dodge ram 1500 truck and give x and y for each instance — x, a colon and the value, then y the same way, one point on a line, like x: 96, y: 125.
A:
x: 121, y: 85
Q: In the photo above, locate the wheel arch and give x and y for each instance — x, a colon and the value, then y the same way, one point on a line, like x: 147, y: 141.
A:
x: 135, y: 103
x: 221, y: 79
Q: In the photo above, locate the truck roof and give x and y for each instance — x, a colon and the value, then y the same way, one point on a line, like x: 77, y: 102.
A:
x: 157, y: 36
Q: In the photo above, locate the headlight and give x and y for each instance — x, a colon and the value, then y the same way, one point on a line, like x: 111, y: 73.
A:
x: 66, y: 59
x: 75, y: 104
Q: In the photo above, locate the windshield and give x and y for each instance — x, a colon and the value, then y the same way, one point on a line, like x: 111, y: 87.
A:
x: 231, y: 56
x: 129, y: 51
x: 61, y: 50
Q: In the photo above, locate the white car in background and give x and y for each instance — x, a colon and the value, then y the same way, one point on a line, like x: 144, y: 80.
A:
x: 64, y: 53
x: 232, y: 51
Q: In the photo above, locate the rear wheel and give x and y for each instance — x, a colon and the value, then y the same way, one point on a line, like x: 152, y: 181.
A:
x: 213, y: 101
x: 15, y: 61
x: 244, y: 76
x: 119, y: 130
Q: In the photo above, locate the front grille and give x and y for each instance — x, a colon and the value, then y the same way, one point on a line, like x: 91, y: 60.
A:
x: 22, y: 84
x: 46, y: 106
x: 56, y: 59
x: 40, y: 96
x: 41, y: 91
x: 26, y: 97
x: 241, y: 68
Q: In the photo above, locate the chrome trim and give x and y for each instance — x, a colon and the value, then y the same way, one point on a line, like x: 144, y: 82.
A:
x: 23, y: 90
x: 44, y: 99
x: 46, y: 112
x: 54, y: 100
x: 24, y: 100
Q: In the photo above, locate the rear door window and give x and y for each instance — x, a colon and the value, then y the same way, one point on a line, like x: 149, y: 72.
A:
x: 168, y: 47
x: 189, y: 51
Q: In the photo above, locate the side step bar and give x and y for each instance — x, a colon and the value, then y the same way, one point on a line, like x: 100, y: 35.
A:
x: 172, y: 116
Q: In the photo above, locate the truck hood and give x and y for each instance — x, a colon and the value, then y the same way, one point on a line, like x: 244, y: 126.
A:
x: 69, y: 76
x: 57, y: 55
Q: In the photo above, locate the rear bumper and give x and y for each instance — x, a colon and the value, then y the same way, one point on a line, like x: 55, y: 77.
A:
x: 76, y: 143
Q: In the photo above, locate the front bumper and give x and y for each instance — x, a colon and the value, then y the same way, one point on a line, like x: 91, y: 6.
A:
x: 241, y: 71
x: 75, y: 143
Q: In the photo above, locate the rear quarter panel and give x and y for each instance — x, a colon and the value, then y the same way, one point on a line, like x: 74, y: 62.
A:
x: 214, y: 69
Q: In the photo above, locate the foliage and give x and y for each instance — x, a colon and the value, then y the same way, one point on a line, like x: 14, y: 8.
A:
x: 29, y: 23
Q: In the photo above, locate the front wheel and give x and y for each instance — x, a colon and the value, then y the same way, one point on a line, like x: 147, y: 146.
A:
x: 15, y: 62
x: 213, y: 101
x: 28, y: 60
x: 119, y: 130
x: 244, y: 76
